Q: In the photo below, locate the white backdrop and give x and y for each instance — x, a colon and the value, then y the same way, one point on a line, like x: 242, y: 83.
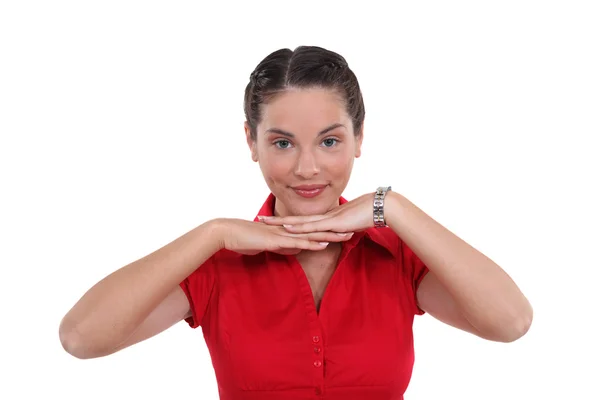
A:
x: 122, y: 128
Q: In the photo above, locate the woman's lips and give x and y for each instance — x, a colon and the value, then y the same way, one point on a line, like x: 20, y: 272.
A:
x: 309, y: 191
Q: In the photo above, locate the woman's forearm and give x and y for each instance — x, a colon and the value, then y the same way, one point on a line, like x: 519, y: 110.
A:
x: 112, y: 309
x: 486, y: 296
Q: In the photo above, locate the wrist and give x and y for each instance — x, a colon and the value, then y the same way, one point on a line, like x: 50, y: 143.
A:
x: 394, y: 205
x: 217, y: 232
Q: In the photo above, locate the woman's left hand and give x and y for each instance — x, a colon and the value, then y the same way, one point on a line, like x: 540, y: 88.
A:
x: 353, y: 216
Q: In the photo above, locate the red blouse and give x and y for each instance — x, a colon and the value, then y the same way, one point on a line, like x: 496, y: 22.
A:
x: 267, y: 341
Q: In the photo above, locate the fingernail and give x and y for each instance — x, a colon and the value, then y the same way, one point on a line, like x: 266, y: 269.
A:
x: 323, y: 243
x: 287, y: 226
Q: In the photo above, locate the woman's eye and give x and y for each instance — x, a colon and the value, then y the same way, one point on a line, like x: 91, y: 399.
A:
x: 282, y: 144
x: 330, y: 142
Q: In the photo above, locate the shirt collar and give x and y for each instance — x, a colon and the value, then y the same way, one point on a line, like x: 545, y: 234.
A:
x: 374, y: 234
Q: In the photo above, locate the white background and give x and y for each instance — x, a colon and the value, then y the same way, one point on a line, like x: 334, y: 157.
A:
x: 121, y: 128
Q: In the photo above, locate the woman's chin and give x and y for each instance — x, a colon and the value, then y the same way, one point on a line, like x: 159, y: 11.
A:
x: 312, y: 206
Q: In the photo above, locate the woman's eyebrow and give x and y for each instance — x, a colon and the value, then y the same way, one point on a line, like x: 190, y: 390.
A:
x: 291, y: 135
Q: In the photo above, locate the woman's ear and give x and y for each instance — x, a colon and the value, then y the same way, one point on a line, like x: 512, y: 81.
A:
x: 359, y: 140
x: 251, y: 142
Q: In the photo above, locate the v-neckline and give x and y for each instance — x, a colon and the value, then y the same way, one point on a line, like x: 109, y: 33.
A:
x: 304, y: 284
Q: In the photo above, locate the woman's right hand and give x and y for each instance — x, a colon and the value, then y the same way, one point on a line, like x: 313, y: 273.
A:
x: 248, y: 237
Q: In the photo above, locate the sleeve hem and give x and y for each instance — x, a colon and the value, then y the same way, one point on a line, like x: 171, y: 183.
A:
x: 193, y: 320
x: 418, y: 310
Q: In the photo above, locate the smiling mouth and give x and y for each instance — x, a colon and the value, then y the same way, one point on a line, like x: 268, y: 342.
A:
x: 309, y: 191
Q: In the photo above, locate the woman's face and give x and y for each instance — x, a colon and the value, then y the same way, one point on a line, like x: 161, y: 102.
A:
x: 305, y: 146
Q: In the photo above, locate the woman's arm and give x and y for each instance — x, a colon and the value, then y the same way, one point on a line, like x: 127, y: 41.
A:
x: 464, y: 287
x: 139, y: 300
x: 144, y: 298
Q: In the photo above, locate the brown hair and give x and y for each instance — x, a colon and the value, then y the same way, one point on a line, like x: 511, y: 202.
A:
x: 305, y: 67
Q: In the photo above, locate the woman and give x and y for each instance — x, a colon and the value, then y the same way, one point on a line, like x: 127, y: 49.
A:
x: 316, y: 297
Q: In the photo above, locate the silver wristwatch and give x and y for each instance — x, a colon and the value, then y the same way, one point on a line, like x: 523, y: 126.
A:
x: 378, y: 218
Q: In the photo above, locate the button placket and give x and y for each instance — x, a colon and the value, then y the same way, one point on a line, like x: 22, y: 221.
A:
x: 315, y: 339
x: 317, y: 345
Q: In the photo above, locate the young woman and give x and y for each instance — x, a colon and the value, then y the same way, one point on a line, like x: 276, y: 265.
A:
x: 316, y: 297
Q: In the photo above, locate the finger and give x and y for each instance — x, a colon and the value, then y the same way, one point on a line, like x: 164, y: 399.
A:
x: 330, y: 236
x: 302, y: 243
x: 291, y: 220
x: 323, y: 236
x: 324, y: 225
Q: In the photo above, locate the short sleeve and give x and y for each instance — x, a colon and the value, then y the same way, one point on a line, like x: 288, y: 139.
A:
x: 198, y: 288
x: 414, y: 270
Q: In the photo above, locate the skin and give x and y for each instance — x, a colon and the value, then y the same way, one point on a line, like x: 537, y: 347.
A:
x: 464, y: 289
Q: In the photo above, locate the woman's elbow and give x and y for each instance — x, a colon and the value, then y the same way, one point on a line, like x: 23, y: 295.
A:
x: 517, y: 328
x: 76, y: 344
x: 71, y: 342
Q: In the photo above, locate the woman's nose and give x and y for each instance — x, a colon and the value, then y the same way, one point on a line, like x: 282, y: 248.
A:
x: 306, y: 166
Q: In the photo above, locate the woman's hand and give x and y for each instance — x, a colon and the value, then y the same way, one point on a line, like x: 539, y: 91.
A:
x: 251, y: 238
x: 353, y: 216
